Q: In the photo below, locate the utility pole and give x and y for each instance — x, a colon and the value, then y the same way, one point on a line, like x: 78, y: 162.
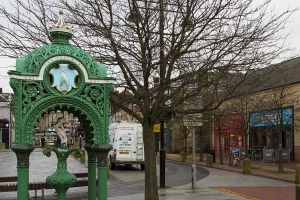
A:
x: 162, y: 155
x: 162, y: 82
x: 194, y: 172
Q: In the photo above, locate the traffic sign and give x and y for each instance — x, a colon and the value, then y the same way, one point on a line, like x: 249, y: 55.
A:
x: 156, y: 127
x: 192, y: 123
x: 195, y: 115
x: 193, y: 119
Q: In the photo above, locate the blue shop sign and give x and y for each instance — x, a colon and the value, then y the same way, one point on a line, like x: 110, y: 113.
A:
x: 271, y: 118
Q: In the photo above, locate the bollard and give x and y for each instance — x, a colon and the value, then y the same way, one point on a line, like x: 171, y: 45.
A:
x: 209, y: 160
x: 213, y: 153
x: 246, y: 166
x: 297, y: 175
x: 297, y: 192
x: 297, y: 182
x: 108, y: 171
x: 183, y: 156
x: 82, y: 157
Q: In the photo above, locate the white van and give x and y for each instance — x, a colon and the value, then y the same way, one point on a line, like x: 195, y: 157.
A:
x: 127, y: 143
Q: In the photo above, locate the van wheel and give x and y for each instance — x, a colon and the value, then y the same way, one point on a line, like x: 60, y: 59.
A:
x: 128, y: 165
x: 142, y: 166
x: 112, y: 165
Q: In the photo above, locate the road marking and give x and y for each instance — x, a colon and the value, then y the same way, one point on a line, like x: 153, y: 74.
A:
x: 235, y: 193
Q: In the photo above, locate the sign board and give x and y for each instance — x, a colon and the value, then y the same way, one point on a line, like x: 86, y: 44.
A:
x: 193, y: 119
x: 195, y: 115
x: 271, y: 118
x: 192, y: 123
x: 156, y: 127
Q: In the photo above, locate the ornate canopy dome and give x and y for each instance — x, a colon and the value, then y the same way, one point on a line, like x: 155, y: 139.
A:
x: 61, y: 34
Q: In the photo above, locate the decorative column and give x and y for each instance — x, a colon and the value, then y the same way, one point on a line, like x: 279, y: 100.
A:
x: 22, y: 152
x: 92, y: 169
x: 61, y: 179
x: 102, y: 152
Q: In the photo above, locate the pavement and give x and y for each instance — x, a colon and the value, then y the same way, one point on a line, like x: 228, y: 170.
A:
x: 224, y: 182
x: 258, y: 167
x: 254, y: 186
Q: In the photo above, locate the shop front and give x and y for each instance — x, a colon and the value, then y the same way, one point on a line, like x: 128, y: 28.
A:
x: 231, y: 132
x: 271, y: 130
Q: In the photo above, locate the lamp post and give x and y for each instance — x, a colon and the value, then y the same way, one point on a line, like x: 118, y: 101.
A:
x: 194, y: 173
x: 162, y: 153
x: 133, y: 17
x: 10, y: 121
x: 162, y: 70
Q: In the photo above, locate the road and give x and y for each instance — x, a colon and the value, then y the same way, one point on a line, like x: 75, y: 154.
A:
x: 126, y: 181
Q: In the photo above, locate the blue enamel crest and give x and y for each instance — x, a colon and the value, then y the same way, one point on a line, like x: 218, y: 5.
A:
x: 64, y: 78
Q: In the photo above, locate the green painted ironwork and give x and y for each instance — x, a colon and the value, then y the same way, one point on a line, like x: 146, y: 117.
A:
x: 22, y: 153
x: 60, y: 76
x: 92, y: 168
x: 61, y: 179
x: 102, y: 151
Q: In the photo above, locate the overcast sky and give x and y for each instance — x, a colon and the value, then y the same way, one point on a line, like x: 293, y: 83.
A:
x: 293, y: 40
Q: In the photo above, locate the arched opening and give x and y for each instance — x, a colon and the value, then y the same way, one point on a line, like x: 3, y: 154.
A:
x: 88, y: 118
x: 74, y: 125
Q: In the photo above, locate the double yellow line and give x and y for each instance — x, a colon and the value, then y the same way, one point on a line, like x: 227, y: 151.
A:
x: 235, y: 193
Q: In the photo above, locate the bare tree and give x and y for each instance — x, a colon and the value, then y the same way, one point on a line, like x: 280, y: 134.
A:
x: 193, y: 47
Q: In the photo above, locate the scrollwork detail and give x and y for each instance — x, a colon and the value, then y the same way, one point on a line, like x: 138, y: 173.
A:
x: 36, y: 58
x: 32, y: 91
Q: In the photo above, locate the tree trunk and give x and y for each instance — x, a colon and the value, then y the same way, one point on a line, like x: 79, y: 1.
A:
x: 280, y: 162
x: 151, y: 189
x: 220, y: 148
x: 219, y: 139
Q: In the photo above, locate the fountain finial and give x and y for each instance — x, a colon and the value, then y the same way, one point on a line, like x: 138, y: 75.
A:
x: 61, y: 21
x: 60, y: 32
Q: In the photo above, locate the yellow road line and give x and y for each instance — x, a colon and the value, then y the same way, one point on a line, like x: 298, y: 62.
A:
x: 235, y: 193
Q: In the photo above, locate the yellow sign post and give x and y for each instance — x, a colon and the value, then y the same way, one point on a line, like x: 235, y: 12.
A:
x: 156, y: 128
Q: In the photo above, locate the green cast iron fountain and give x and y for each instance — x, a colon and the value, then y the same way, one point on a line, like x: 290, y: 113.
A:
x: 61, y: 76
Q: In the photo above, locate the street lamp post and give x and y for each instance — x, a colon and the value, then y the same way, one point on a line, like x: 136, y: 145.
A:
x: 10, y: 121
x: 194, y: 172
x: 162, y: 73
x: 162, y: 154
x: 132, y: 17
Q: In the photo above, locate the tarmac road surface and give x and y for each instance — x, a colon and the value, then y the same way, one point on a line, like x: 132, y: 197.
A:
x: 212, y: 184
